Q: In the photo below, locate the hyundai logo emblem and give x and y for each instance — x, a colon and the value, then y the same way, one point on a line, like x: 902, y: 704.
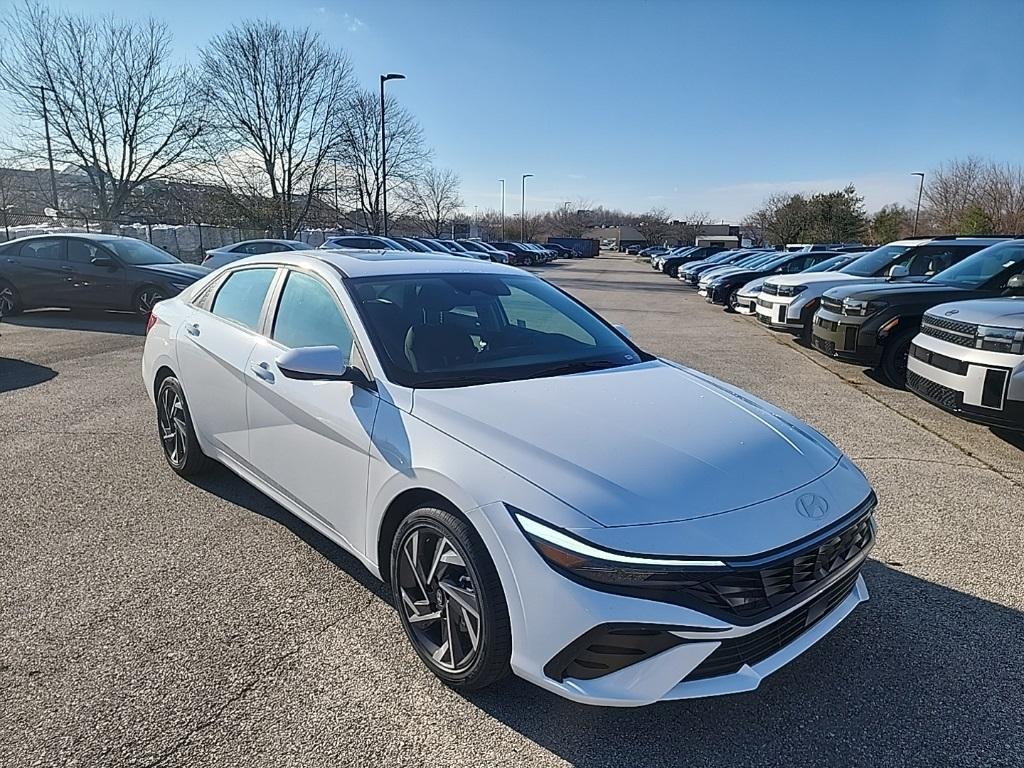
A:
x: 953, y: 312
x: 812, y: 505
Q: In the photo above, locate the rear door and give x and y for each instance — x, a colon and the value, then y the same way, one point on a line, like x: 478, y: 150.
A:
x: 40, y: 272
x: 213, y: 350
x: 310, y: 440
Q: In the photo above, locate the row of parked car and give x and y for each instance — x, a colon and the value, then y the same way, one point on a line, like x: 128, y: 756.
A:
x: 940, y: 316
x: 97, y: 271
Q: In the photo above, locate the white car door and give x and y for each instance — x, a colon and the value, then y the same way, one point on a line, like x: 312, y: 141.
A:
x: 310, y: 440
x: 213, y: 350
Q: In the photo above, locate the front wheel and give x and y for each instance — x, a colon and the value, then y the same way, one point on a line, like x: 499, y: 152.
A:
x: 450, y: 600
x: 146, y: 298
x: 895, y: 356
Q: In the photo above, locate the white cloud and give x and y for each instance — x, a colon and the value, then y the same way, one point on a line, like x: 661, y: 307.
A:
x: 353, y: 23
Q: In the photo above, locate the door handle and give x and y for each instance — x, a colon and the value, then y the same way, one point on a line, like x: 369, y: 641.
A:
x: 192, y: 329
x: 67, y: 267
x: 12, y: 261
x: 262, y: 370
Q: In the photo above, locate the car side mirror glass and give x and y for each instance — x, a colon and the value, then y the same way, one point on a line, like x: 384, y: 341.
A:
x: 321, y: 364
x: 102, y: 261
x: 898, y: 271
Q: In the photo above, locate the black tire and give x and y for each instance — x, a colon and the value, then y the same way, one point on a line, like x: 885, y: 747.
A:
x: 10, y: 301
x: 145, y: 299
x: 807, y: 331
x: 468, y: 574
x: 894, y: 357
x: 176, y: 432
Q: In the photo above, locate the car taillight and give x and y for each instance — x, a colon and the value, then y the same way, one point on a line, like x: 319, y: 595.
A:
x: 150, y: 322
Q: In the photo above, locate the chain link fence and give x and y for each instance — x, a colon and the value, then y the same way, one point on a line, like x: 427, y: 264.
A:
x: 188, y: 241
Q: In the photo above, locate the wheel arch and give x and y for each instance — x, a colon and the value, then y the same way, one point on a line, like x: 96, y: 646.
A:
x: 397, y: 510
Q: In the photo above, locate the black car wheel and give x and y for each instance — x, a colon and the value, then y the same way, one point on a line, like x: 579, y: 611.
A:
x: 177, y: 434
x: 146, y: 298
x: 895, y: 355
x: 10, y: 303
x: 450, y: 600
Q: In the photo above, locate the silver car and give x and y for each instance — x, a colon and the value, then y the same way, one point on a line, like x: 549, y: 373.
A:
x: 969, y: 359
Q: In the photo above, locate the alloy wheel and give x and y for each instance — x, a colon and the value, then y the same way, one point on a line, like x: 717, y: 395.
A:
x: 7, y: 300
x: 147, y: 299
x: 438, y: 599
x: 173, y: 431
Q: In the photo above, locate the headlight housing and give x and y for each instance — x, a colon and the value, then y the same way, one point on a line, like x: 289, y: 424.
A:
x: 859, y: 308
x: 790, y: 290
x: 588, y: 562
x: 996, y: 339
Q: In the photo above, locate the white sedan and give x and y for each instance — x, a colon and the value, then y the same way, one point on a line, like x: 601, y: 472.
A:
x: 502, y: 457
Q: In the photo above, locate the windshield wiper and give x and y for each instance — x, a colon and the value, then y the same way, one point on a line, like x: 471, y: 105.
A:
x: 576, y: 366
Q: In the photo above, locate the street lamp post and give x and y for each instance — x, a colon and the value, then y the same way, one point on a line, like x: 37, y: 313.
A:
x: 384, y: 150
x: 502, y: 209
x: 920, y: 189
x: 49, y: 147
x: 522, y: 217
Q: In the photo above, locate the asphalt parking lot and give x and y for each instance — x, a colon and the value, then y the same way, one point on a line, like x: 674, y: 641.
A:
x: 147, y: 621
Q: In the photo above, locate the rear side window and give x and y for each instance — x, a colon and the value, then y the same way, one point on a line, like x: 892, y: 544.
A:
x: 932, y: 259
x: 308, y: 316
x: 241, y: 296
x: 49, y: 249
x: 83, y: 252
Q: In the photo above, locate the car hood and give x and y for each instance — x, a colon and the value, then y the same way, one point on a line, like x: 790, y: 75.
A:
x: 887, y: 291
x: 647, y: 443
x: 1007, y: 312
x: 180, y: 272
x: 801, y: 278
x: 753, y: 287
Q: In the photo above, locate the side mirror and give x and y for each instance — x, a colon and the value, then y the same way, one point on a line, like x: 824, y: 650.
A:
x: 623, y: 330
x: 1015, y: 285
x: 899, y: 271
x: 102, y: 261
x: 320, y: 364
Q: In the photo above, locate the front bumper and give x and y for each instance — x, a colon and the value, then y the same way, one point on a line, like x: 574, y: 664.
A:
x: 773, y: 311
x: 979, y: 386
x: 745, y: 303
x: 700, y: 655
x: 845, y: 338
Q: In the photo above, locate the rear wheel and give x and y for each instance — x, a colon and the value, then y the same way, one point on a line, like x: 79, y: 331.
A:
x: 450, y: 599
x: 10, y: 303
x: 895, y: 355
x: 177, y: 433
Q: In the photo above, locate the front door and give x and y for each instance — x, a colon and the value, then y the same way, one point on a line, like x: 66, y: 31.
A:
x: 310, y: 440
x: 93, y: 285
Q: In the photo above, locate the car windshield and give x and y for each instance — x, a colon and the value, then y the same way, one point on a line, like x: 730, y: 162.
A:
x: 393, y: 244
x: 452, y: 330
x: 996, y: 263
x: 138, y: 252
x: 470, y: 246
x: 876, y: 261
x: 456, y: 246
x: 829, y: 264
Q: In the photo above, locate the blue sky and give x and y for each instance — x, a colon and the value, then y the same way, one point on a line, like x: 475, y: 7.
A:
x: 685, y: 105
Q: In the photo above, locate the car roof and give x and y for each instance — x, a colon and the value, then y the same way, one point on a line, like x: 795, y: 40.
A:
x: 369, y: 263
x: 97, y: 236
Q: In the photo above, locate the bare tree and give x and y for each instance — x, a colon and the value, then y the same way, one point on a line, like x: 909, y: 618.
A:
x: 433, y: 199
x: 277, y: 97
x: 359, y: 155
x: 119, y: 108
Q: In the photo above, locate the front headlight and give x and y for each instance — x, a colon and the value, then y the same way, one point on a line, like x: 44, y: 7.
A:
x: 994, y: 339
x: 586, y: 561
x: 859, y: 308
x: 791, y: 290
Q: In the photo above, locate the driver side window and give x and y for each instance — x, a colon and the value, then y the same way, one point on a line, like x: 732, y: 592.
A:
x: 309, y: 316
x: 524, y: 310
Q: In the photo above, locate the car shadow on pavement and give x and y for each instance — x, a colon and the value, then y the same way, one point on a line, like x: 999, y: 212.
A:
x: 921, y: 674
x: 19, y: 374
x: 1016, y: 439
x: 79, y: 320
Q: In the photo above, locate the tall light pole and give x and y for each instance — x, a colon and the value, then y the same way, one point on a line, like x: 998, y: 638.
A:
x: 49, y: 147
x: 502, y: 209
x: 522, y: 217
x: 384, y: 149
x: 920, y: 189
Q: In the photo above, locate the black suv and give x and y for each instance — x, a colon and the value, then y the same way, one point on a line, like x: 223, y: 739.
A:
x: 873, y: 325
x: 89, y: 272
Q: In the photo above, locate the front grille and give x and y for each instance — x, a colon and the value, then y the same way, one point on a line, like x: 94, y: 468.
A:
x: 832, y: 305
x: 771, y: 290
x: 766, y: 319
x: 820, y: 344
x: 942, y: 396
x: 952, y: 331
x: 750, y: 592
x: 944, y: 362
x: 729, y: 657
x: 828, y: 325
